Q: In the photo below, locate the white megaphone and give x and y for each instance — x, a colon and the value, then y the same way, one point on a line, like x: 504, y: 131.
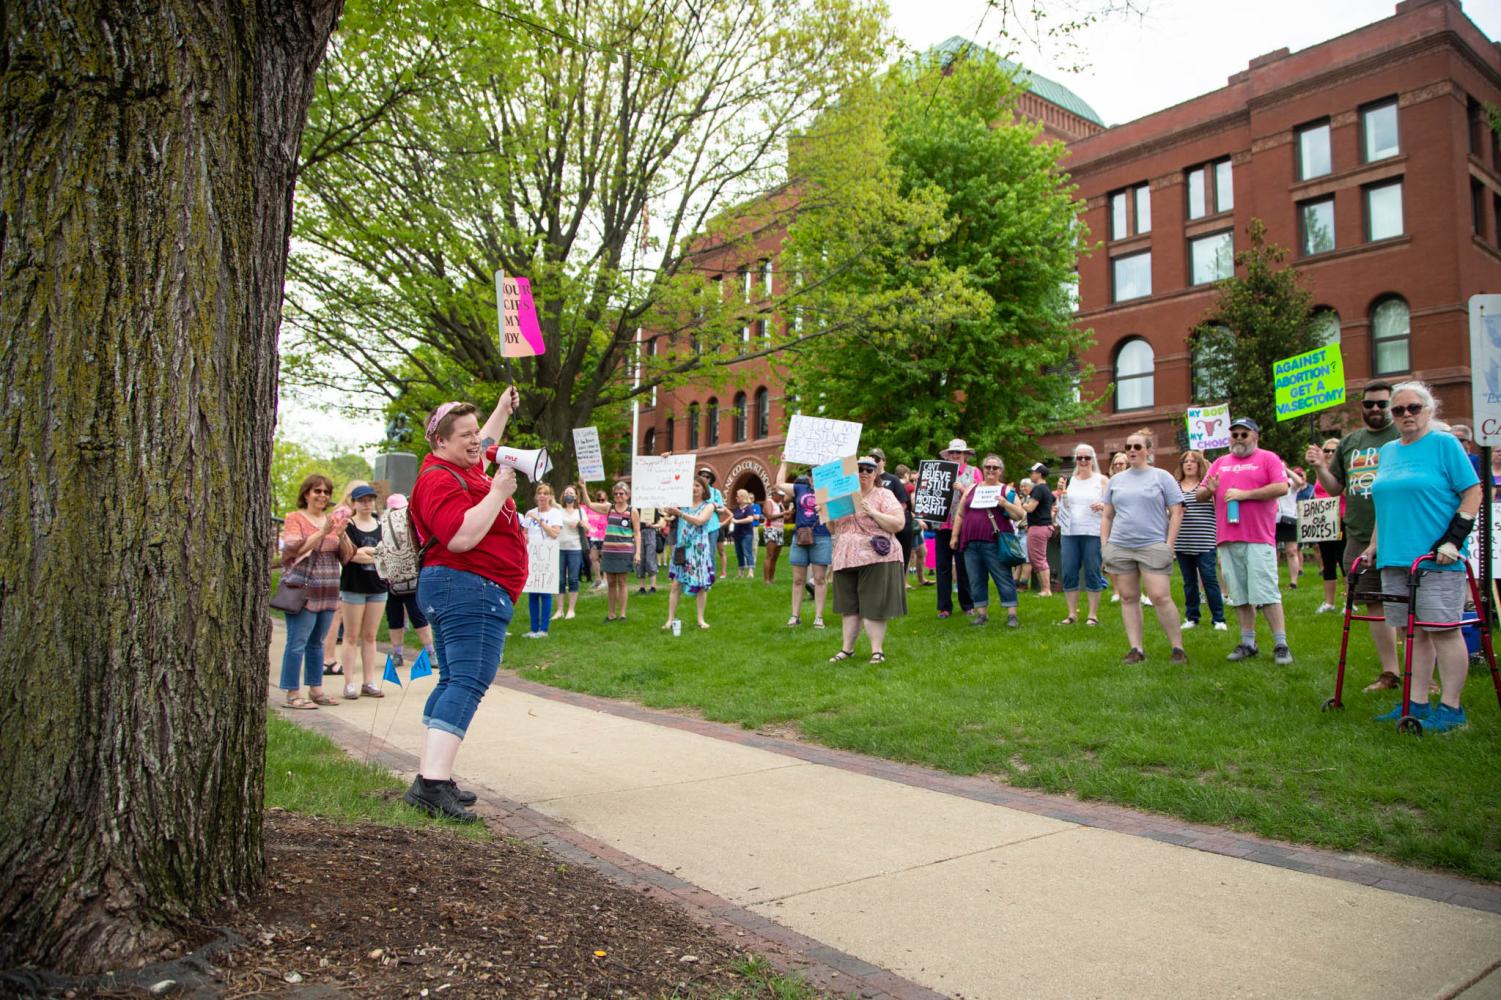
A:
x: 531, y: 464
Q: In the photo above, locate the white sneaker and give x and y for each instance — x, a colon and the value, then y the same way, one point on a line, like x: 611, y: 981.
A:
x: 1324, y: 608
x: 1189, y: 623
x: 532, y: 635
x: 1146, y: 600
x: 1115, y: 598
x: 1220, y: 626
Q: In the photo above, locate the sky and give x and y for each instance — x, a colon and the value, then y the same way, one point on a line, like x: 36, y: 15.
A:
x: 1124, y: 66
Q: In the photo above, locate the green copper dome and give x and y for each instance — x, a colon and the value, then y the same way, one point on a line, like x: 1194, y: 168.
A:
x: 1044, y: 88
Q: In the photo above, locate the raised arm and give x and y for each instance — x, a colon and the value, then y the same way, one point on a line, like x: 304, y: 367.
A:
x: 495, y: 427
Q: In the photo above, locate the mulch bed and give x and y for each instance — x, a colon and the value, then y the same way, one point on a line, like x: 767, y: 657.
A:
x: 377, y: 911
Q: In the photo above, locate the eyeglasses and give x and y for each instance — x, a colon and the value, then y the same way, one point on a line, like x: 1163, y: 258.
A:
x: 1375, y: 404
x: 1239, y: 435
x: 322, y: 492
x: 1412, y: 409
x: 1136, y: 447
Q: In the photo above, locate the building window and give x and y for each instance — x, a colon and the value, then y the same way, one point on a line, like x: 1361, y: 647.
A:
x: 1313, y: 151
x: 1477, y: 208
x: 1131, y: 276
x: 745, y: 283
x: 693, y: 427
x: 1316, y: 226
x: 1378, y: 131
x: 766, y: 278
x: 1143, y: 203
x: 1134, y: 368
x: 711, y: 423
x: 745, y: 336
x: 763, y: 412
x: 1390, y: 338
x: 1198, y: 190
x: 1211, y: 258
x: 1120, y: 224
x: 649, y: 441
x: 1496, y: 211
x: 1130, y: 212
x: 1224, y: 187
x: 669, y: 435
x: 1326, y: 325
x: 1383, y: 211
x: 739, y: 421
x: 1209, y: 352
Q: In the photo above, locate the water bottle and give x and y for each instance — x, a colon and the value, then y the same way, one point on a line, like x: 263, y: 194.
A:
x: 1232, y: 511
x: 677, y: 627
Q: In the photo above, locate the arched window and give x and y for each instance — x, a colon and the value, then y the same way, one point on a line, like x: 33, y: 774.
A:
x: 693, y: 427
x: 711, y: 423
x: 1326, y: 325
x: 1391, y: 338
x: 740, y: 417
x: 1210, y: 353
x: 649, y: 441
x: 1134, y: 368
x: 669, y: 435
x: 763, y: 412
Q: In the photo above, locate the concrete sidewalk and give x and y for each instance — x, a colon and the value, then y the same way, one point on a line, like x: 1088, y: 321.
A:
x: 961, y: 896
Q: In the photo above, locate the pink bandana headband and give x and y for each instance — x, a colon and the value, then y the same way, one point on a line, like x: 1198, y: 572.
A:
x: 437, y: 417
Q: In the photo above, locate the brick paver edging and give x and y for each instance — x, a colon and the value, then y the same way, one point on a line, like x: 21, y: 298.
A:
x: 825, y: 968
x: 1347, y: 867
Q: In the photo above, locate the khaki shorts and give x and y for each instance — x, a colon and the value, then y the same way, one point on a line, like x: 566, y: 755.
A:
x: 1248, y: 572
x: 1441, y: 597
x: 1155, y: 558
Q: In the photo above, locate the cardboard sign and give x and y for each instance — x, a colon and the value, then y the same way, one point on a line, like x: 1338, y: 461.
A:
x: 542, y: 571
x: 591, y: 460
x: 984, y: 497
x: 834, y: 486
x: 1485, y: 367
x: 1318, y: 520
x: 1307, y: 383
x: 815, y: 440
x: 520, y: 333
x: 662, y: 481
x: 1208, y: 427
x: 935, y: 490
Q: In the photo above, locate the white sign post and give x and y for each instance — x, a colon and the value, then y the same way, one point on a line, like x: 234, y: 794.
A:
x: 816, y: 440
x: 662, y: 481
x: 1318, y: 520
x: 1485, y: 367
x: 1208, y: 427
x: 542, y: 569
x: 591, y: 461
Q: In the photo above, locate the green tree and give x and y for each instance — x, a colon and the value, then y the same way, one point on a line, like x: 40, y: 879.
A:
x: 292, y: 462
x: 1263, y: 314
x: 145, y: 202
x: 448, y: 141
x: 949, y: 283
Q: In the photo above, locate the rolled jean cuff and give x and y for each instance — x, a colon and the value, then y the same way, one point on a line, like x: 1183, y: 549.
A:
x: 443, y: 727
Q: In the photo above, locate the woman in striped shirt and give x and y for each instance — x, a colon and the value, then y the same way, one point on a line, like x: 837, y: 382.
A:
x: 621, y: 549
x: 1195, y: 545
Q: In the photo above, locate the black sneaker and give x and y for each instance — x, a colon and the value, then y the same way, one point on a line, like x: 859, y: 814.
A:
x: 1242, y: 652
x: 1281, y: 655
x: 439, y: 799
x: 465, y: 798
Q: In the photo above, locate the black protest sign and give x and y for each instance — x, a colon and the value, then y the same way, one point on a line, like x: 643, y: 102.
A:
x: 935, y: 490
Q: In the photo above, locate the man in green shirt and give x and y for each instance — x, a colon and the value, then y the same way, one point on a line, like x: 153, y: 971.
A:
x: 1351, y: 470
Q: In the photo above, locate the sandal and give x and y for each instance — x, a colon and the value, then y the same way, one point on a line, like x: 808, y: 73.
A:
x: 298, y: 703
x: 323, y: 699
x: 333, y: 669
x: 877, y: 657
x: 351, y: 692
x: 1070, y: 620
x: 794, y: 621
x: 1091, y: 621
x: 818, y: 623
x: 843, y: 654
x: 370, y: 691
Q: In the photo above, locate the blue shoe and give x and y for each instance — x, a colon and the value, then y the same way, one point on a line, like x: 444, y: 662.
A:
x: 1444, y: 719
x: 1419, y: 710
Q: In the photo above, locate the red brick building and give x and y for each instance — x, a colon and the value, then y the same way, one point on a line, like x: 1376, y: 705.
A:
x: 1367, y: 156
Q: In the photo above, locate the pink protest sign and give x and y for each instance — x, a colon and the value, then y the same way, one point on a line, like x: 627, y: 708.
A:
x: 520, y: 333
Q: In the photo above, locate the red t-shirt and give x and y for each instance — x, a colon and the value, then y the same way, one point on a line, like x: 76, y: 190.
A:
x: 439, y: 504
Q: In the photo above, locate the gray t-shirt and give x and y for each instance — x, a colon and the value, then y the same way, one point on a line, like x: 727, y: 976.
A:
x: 1141, y: 498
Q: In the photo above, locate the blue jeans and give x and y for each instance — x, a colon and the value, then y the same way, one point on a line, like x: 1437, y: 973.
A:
x: 568, y: 574
x: 982, y: 560
x: 1082, y: 552
x: 1195, y: 568
x: 305, y: 632
x: 745, y: 550
x: 539, y: 611
x: 469, y: 616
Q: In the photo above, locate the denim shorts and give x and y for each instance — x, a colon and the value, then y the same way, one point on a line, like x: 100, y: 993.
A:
x: 349, y: 597
x: 820, y: 553
x: 469, y: 616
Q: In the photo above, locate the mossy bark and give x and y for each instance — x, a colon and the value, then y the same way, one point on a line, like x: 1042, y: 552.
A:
x: 146, y: 178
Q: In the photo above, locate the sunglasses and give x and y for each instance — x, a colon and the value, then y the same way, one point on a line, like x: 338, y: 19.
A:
x: 1412, y: 409
x: 992, y: 468
x: 1083, y: 458
x: 1375, y: 404
x: 1331, y: 451
x: 1136, y: 447
x: 866, y: 468
x: 322, y: 492
x: 1240, y: 435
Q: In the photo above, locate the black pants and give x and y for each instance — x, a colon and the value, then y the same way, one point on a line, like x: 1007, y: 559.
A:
x: 948, y: 562
x: 904, y: 539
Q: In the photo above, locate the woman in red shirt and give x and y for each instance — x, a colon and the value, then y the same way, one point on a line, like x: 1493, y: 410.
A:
x: 472, y: 572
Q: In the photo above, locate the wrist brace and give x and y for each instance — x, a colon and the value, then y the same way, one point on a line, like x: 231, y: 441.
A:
x: 1460, y: 527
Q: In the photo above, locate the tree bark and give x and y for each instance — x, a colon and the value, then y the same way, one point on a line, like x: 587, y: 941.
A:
x: 145, y: 203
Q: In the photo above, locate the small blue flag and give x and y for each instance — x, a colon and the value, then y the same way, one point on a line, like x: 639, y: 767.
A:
x: 422, y: 666
x: 391, y: 674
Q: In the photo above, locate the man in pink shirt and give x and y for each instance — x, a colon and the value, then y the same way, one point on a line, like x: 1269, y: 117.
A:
x: 1245, y: 485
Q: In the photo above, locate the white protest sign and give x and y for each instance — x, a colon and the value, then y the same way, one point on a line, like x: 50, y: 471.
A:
x: 662, y: 480
x: 1485, y: 367
x: 1318, y: 520
x: 542, y: 569
x: 816, y: 440
x: 1208, y: 427
x: 591, y: 460
x: 985, y: 497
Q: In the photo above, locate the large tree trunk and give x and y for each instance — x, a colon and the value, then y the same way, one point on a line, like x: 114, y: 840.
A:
x: 146, y: 171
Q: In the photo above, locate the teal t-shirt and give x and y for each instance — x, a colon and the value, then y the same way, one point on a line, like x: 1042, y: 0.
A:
x: 1417, y: 491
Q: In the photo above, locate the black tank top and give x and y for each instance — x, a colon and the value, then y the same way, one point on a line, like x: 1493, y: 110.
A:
x: 361, y: 578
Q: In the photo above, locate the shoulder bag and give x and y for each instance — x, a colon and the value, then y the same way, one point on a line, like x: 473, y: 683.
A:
x: 291, y: 589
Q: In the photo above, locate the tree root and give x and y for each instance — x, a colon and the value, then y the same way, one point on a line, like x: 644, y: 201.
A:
x: 193, y: 975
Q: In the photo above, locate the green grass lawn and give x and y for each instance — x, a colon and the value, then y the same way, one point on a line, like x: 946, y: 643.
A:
x: 1051, y: 707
